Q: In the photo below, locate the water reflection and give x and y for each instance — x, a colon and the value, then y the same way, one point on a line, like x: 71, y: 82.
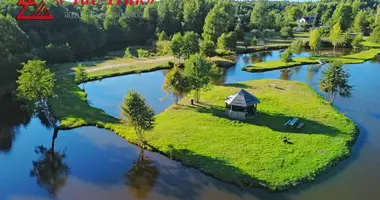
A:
x: 142, y: 177
x: 12, y: 116
x: 50, y: 169
x: 286, y: 74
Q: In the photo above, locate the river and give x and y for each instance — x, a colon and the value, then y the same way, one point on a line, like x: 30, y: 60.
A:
x: 95, y: 164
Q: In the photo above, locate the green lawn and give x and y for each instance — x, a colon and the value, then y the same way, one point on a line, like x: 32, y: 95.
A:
x: 245, y: 153
x: 371, y: 44
x: 278, y: 64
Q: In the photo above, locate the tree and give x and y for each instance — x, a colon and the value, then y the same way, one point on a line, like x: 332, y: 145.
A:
x: 360, y: 22
x: 239, y: 30
x: 170, y: 16
x: 176, y: 45
x: 375, y: 35
x: 258, y: 15
x: 356, y: 7
x: 315, y: 40
x: 127, y: 53
x: 287, y: 32
x: 50, y: 169
x: 342, y: 14
x: 198, y: 70
x: 227, y: 41
x: 286, y: 56
x: 208, y: 48
x: 335, y: 81
x: 81, y: 75
x: 218, y: 20
x: 292, y: 13
x: 336, y: 35
x: 246, y: 43
x: 176, y: 83
x: 35, y: 84
x: 190, y: 44
x: 138, y: 115
x: 162, y: 36
x: 297, y: 46
x: 254, y: 41
x: 193, y: 17
x: 357, y: 42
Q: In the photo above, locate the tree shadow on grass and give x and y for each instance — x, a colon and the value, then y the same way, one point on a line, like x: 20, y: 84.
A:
x: 274, y: 122
x: 188, y: 183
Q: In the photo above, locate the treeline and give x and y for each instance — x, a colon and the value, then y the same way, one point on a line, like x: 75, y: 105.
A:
x: 78, y: 32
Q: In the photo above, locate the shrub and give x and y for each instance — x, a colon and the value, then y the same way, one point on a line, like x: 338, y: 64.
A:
x: 57, y: 53
x: 127, y: 53
x: 254, y: 41
x: 142, y: 53
x: 163, y: 47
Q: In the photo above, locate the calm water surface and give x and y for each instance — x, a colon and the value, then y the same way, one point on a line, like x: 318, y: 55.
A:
x: 95, y: 164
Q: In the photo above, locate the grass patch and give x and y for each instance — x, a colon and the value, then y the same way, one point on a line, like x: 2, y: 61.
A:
x: 371, y: 44
x: 278, y: 64
x: 222, y: 62
x: 248, y: 153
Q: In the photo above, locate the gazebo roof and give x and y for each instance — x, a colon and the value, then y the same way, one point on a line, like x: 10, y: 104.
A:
x: 242, y: 99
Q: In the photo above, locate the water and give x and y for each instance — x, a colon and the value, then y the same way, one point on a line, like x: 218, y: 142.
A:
x: 91, y: 163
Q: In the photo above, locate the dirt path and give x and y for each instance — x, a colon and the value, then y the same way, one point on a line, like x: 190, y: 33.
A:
x: 153, y: 60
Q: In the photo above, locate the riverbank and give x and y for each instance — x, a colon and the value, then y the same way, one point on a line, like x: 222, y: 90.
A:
x: 256, y: 154
x: 356, y: 58
x: 278, y: 64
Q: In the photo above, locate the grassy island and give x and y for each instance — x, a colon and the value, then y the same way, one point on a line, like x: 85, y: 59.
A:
x: 250, y: 153
x: 278, y: 64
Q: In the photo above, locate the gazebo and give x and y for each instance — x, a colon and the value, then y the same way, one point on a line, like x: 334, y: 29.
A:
x: 241, y: 105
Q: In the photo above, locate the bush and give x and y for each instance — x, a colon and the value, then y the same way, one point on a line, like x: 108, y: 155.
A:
x: 254, y: 41
x: 287, y: 32
x: 208, y: 48
x: 163, y: 47
x: 127, y: 53
x: 142, y: 53
x: 286, y: 56
x: 375, y: 35
x: 357, y: 42
x: 227, y: 41
x: 162, y: 36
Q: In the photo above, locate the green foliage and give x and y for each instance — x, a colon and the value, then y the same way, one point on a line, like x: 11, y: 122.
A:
x: 218, y: 20
x: 208, y: 48
x: 315, y: 40
x: 357, y: 42
x: 286, y: 56
x: 193, y: 15
x: 81, y: 75
x: 336, y: 35
x: 292, y: 13
x: 239, y: 30
x: 163, y: 47
x: 343, y: 15
x: 57, y: 53
x: 170, y: 16
x: 258, y: 15
x: 162, y: 36
x: 141, y: 53
x: 360, y: 22
x: 227, y: 41
x: 297, y: 46
x: 287, y: 32
x: 176, y: 45
x: 335, y: 81
x: 138, y: 114
x: 254, y: 41
x: 127, y: 53
x: 375, y: 35
x: 190, y: 44
x: 198, y: 71
x: 176, y: 84
x: 35, y: 84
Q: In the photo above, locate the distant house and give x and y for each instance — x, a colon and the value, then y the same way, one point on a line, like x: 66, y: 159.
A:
x: 306, y: 20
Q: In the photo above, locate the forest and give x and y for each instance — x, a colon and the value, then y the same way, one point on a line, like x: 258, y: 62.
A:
x: 102, y: 28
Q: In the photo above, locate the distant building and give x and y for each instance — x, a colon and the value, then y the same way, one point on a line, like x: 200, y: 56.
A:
x: 306, y: 20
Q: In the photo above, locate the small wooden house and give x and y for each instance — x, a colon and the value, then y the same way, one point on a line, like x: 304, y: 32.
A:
x: 241, y: 105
